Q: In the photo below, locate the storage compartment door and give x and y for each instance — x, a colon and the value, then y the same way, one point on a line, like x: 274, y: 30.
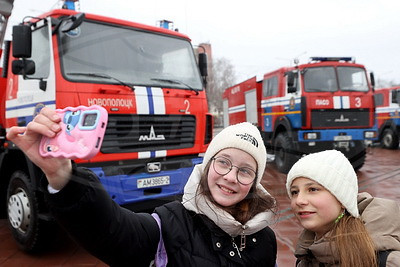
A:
x: 251, y: 106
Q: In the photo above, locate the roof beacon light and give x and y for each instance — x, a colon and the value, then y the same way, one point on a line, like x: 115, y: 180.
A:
x: 166, y: 24
x: 69, y: 4
x: 346, y: 59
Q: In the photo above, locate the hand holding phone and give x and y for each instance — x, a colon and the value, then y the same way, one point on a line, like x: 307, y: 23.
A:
x: 81, y: 135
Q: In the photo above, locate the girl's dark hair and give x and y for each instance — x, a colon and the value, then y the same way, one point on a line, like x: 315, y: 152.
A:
x: 254, y: 203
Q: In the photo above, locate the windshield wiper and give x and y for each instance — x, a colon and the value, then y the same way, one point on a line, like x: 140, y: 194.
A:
x: 176, y: 82
x: 104, y: 76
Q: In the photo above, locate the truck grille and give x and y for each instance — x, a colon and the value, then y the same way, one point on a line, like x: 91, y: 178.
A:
x: 340, y: 118
x: 135, y: 133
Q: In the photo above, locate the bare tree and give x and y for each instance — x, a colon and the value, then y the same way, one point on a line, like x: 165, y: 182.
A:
x: 382, y: 83
x: 221, y: 76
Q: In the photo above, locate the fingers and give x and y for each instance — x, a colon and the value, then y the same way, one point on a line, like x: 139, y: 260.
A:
x: 45, y: 123
x: 50, y: 114
x: 14, y: 132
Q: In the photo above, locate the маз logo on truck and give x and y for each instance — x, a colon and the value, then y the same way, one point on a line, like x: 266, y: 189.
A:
x: 152, y: 136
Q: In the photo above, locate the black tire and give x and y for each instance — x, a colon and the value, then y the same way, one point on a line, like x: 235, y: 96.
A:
x: 284, y: 153
x: 356, y: 155
x: 389, y: 139
x: 358, y: 160
x: 22, y: 213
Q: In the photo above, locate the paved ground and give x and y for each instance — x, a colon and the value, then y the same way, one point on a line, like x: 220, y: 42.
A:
x: 379, y: 176
x: 66, y: 253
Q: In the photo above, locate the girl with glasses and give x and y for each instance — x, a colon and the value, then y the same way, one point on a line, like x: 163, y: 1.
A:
x: 223, y: 219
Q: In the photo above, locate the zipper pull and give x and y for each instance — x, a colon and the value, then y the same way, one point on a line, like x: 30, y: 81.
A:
x: 236, y: 247
x: 242, y: 242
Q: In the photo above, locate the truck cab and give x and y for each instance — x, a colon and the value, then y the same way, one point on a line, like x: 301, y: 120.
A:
x: 326, y: 103
x: 387, y: 102
x: 147, y: 78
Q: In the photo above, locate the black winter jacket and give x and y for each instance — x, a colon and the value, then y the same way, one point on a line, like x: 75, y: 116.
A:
x: 194, y: 240
x: 120, y: 237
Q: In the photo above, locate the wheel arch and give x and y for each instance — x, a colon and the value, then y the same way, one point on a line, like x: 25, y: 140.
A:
x: 283, y: 125
x: 385, y: 125
x: 11, y: 161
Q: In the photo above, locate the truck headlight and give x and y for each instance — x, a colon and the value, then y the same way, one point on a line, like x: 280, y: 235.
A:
x: 310, y: 136
x: 369, y: 134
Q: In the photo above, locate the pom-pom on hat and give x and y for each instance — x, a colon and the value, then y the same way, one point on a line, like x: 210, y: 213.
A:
x: 244, y: 136
x: 332, y: 170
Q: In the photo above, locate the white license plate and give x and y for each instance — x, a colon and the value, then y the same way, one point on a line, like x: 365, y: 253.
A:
x: 152, y: 182
x: 342, y: 138
x: 343, y: 144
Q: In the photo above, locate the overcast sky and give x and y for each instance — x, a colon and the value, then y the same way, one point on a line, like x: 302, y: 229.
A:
x: 260, y: 36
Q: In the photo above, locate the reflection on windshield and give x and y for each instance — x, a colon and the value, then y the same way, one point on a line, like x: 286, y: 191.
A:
x: 131, y: 56
x: 352, y: 79
x: 324, y: 79
x: 320, y: 80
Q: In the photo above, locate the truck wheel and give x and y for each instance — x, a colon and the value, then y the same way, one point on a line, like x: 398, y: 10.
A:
x: 358, y: 160
x: 389, y: 139
x: 356, y: 155
x: 22, y: 209
x: 284, y: 153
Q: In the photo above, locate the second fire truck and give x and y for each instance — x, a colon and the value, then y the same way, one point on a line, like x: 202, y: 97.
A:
x: 324, y: 104
x: 387, y: 102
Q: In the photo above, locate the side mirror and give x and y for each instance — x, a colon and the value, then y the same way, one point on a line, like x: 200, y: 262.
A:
x: 292, y: 89
x: 372, y: 78
x: 23, y: 67
x: 203, y: 64
x: 72, y: 22
x: 22, y: 41
x: 290, y: 78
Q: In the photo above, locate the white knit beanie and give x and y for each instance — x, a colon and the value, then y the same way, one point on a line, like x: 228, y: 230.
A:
x: 333, y: 171
x: 244, y: 136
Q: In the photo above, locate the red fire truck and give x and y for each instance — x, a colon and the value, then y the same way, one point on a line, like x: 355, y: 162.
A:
x: 387, y: 101
x: 146, y: 77
x: 324, y: 104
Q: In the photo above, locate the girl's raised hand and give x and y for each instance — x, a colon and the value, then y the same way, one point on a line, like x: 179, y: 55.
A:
x: 46, y: 123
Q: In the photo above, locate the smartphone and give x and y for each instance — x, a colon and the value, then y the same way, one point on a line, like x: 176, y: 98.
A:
x: 81, y: 135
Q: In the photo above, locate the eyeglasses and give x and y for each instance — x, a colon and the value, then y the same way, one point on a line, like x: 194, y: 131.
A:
x: 223, y: 166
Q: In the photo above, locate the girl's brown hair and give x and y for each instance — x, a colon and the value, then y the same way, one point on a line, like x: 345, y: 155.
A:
x: 246, y: 209
x: 352, y: 243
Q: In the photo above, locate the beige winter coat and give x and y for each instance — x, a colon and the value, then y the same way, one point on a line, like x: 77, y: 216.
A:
x: 381, y: 218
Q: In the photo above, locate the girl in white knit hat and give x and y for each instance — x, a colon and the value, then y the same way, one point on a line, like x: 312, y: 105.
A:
x: 222, y: 221
x: 342, y: 228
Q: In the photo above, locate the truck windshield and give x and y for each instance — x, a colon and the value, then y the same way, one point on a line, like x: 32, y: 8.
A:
x: 321, y: 79
x: 324, y: 79
x: 131, y: 56
x: 352, y: 79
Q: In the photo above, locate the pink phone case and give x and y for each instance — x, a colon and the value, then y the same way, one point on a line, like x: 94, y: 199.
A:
x: 81, y: 135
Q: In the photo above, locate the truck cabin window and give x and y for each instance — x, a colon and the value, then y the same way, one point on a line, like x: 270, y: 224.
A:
x: 352, y: 79
x: 322, y: 79
x: 396, y: 96
x: 329, y: 79
x: 41, y: 53
x: 132, y: 56
x: 270, y: 86
x: 378, y: 98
